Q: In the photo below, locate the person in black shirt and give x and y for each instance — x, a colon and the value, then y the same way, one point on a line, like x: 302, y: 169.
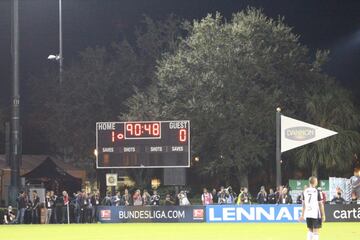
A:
x: 278, y: 193
x: 35, y: 206
x: 215, y: 196
x: 262, y: 196
x: 338, y: 199
x: 84, y: 207
x: 95, y: 202
x: 155, y: 199
x: 28, y: 211
x: 49, y: 205
x: 22, y: 204
x: 271, y: 197
x: 54, y: 212
x: 126, y: 198
x: 169, y: 201
x: 77, y: 206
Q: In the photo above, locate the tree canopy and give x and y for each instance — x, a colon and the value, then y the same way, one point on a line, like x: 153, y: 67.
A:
x: 96, y: 86
x: 228, y: 77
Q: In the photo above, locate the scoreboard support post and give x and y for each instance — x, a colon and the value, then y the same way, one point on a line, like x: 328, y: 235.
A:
x: 175, y: 176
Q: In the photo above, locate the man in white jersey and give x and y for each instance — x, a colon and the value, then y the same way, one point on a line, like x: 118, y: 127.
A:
x: 312, y: 209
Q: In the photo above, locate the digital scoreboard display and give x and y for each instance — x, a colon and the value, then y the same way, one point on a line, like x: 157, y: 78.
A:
x: 150, y: 144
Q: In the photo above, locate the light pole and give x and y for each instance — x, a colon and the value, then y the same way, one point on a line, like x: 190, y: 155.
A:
x: 15, y: 154
x: 59, y: 57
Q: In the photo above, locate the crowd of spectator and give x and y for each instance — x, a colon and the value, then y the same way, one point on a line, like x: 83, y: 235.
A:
x: 29, y: 207
x: 228, y: 196
x: 82, y: 207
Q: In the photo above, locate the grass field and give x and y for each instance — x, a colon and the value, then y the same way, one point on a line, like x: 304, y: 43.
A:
x: 176, y: 231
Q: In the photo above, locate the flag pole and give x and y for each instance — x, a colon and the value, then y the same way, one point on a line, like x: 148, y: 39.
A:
x: 278, y: 146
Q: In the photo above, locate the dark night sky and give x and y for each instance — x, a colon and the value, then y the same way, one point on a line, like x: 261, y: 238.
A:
x: 325, y: 24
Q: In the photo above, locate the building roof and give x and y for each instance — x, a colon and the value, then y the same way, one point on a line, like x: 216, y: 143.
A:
x: 30, y: 162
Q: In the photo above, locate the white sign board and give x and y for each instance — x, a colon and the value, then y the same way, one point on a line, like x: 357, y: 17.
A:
x: 295, y: 133
x: 111, y: 179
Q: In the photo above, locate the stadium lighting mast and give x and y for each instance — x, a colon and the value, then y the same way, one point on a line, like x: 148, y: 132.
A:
x: 15, y: 139
x: 59, y: 57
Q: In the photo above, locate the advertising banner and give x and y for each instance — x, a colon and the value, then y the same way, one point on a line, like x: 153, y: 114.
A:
x: 114, y: 214
x: 342, y: 213
x: 253, y: 213
x: 298, y: 184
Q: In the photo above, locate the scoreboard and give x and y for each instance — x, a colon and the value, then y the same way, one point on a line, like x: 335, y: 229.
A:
x: 147, y: 144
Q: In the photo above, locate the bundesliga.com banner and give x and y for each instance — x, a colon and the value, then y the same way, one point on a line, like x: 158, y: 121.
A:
x: 113, y: 214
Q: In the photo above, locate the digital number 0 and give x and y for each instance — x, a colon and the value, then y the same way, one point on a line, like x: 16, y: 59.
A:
x: 182, y: 135
x: 137, y: 129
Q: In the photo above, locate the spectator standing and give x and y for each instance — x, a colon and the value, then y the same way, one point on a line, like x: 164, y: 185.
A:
x: 146, y: 198
x: 28, y: 211
x: 183, y: 200
x: 169, y: 201
x: 58, y: 207
x: 300, y: 199
x: 53, y: 198
x: 355, y: 184
x: 35, y: 207
x: 84, y: 207
x: 261, y: 197
x: 206, y: 197
x: 65, y: 207
x: 323, y: 194
x: 278, y: 193
x: 49, y: 205
x: 155, y: 199
x: 22, y: 204
x: 221, y: 196
x: 338, y: 199
x: 271, y: 196
x: 126, y: 199
x: 137, y: 198
x: 89, y: 208
x: 95, y: 202
x: 245, y: 197
x: 107, y: 200
x: 116, y: 200
x: 78, y: 206
x: 214, y: 195
x: 285, y: 197
x: 230, y: 196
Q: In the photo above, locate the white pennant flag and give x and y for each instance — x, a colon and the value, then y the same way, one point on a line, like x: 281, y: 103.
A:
x: 295, y: 133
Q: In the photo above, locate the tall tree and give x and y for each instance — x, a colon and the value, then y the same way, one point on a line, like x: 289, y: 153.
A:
x: 330, y: 106
x: 228, y: 77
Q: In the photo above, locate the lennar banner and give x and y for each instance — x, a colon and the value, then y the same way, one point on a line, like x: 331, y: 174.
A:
x: 295, y: 133
x: 253, y: 213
